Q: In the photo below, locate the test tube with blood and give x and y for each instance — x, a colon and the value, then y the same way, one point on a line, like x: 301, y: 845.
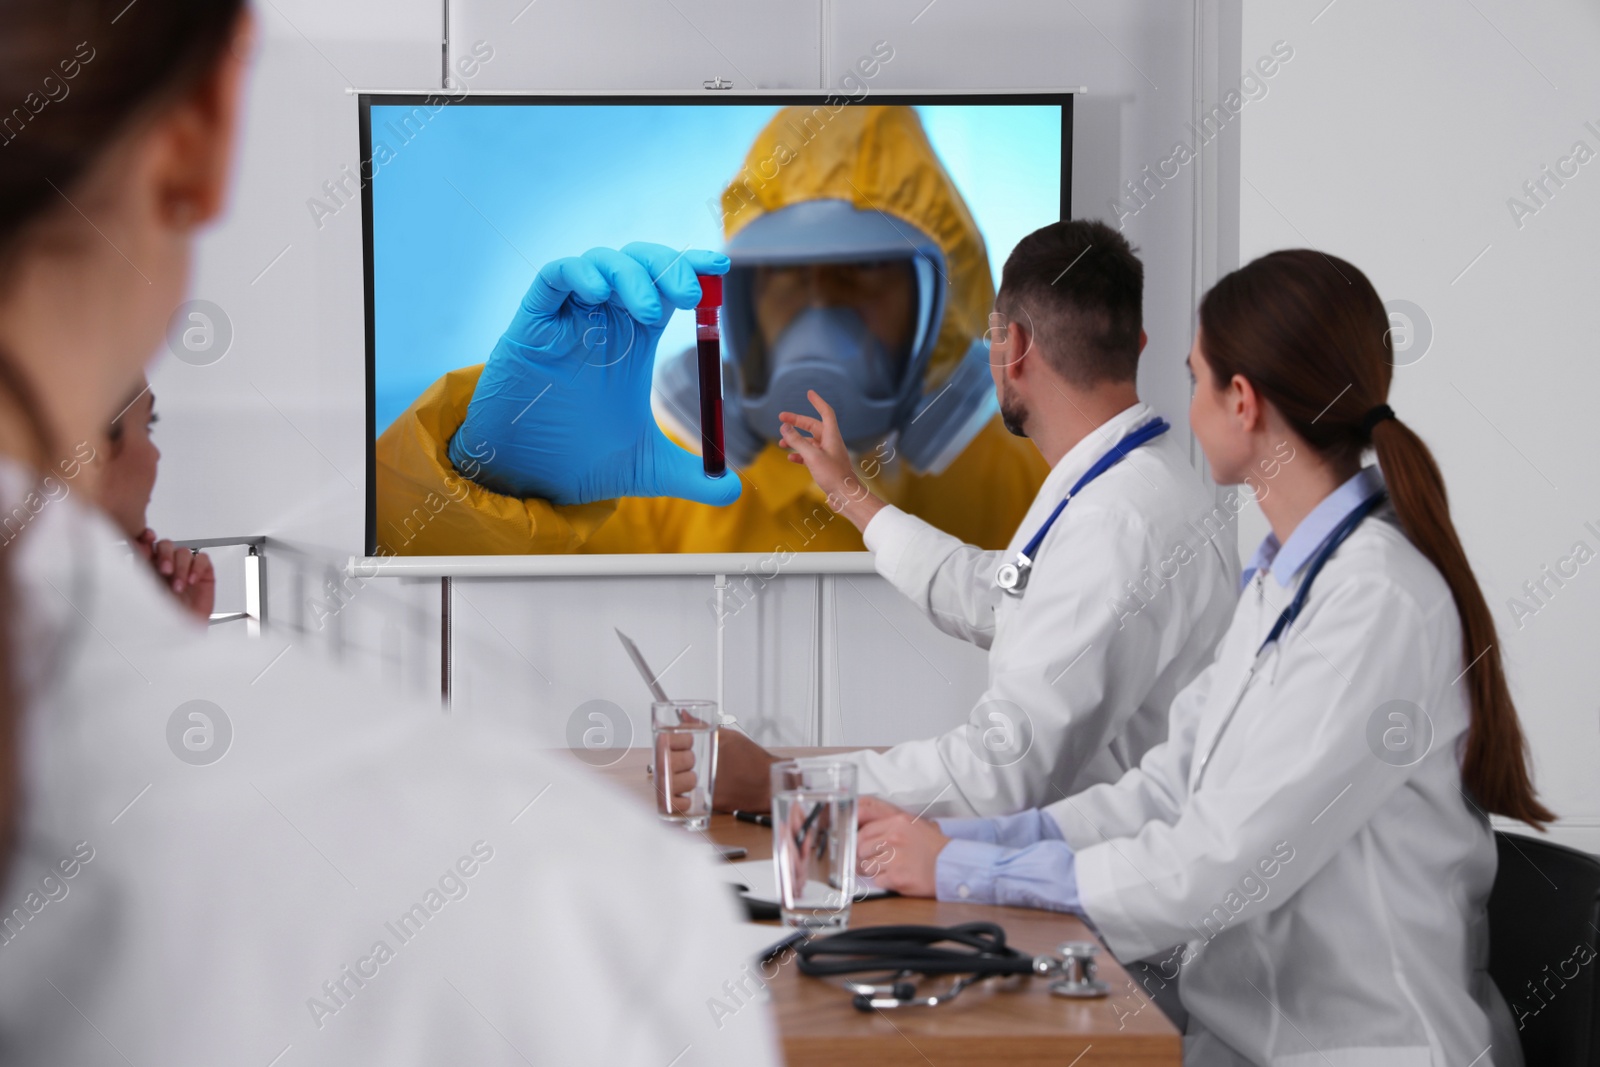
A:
x: 708, y: 342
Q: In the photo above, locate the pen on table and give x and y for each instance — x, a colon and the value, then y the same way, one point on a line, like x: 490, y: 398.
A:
x: 753, y: 817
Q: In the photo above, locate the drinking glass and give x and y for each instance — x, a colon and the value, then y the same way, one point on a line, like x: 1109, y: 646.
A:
x: 685, y: 726
x: 814, y: 840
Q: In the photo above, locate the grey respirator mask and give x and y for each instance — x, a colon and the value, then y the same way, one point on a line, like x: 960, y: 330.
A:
x: 875, y: 392
x: 829, y: 349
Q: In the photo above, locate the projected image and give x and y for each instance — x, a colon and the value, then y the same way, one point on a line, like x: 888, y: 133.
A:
x: 538, y: 383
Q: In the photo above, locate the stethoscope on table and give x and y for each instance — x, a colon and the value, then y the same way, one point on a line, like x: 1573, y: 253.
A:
x: 1286, y: 618
x: 1013, y: 577
x: 899, y: 952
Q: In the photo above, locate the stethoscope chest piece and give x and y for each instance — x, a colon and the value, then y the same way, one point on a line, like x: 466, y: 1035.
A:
x: 1012, y: 578
x: 1078, y: 978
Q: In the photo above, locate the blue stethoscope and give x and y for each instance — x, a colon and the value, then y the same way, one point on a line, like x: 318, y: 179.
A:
x: 1286, y: 618
x: 1013, y: 577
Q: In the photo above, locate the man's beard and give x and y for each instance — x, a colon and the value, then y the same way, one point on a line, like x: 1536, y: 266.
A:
x: 1012, y: 414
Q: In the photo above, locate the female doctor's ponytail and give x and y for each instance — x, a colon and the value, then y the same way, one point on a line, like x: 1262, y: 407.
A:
x: 1309, y: 332
x: 75, y: 75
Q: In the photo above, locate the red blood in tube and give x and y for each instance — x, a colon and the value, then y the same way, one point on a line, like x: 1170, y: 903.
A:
x: 708, y: 342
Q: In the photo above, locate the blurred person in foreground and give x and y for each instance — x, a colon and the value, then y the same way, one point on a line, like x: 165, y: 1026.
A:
x: 241, y: 856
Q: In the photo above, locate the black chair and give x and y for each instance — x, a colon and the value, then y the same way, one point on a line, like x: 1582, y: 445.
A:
x: 1544, y: 926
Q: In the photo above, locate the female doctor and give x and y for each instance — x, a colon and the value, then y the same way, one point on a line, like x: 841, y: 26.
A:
x: 1311, y: 844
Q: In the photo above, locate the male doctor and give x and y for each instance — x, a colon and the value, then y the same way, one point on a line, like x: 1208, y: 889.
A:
x: 1115, y: 609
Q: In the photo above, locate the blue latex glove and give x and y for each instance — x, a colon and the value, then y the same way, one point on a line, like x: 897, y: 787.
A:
x: 562, y: 411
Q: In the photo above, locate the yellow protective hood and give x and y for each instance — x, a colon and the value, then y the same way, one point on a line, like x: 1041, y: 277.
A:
x: 876, y: 158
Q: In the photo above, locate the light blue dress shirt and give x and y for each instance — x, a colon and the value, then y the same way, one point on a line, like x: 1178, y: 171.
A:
x: 1022, y: 859
x: 1011, y: 859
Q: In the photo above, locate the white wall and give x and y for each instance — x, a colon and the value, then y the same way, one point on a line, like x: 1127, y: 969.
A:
x: 1395, y: 139
x: 269, y: 438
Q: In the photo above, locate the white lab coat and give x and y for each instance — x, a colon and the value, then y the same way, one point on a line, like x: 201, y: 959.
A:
x: 1329, y: 906
x: 1129, y: 593
x: 233, y: 912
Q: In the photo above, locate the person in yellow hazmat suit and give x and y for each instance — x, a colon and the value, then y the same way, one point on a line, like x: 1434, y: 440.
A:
x: 853, y: 268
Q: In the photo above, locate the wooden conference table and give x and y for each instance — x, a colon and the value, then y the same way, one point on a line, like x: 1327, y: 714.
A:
x: 1019, y: 1024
